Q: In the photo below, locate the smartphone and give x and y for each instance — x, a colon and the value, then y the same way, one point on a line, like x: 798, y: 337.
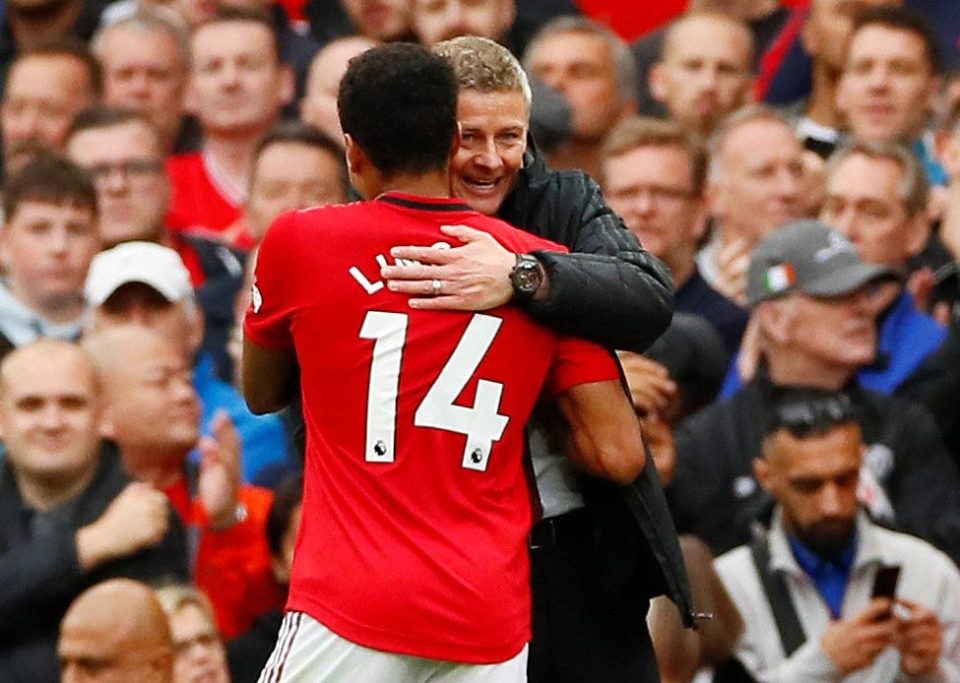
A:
x: 885, y: 582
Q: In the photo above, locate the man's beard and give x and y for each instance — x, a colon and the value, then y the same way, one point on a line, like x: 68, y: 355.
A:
x: 827, y: 538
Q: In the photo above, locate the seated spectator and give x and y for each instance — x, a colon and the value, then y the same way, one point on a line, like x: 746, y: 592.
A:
x: 382, y: 21
x: 46, y: 245
x: 889, y: 82
x: 145, y: 61
x: 146, y: 284
x: 810, y: 294
x: 116, y: 631
x: 705, y: 70
x: 124, y: 155
x: 319, y: 104
x: 153, y: 415
x: 209, y: 186
x: 248, y: 653
x: 817, y: 565
x: 754, y: 185
x: 294, y: 166
x: 44, y: 89
x: 826, y: 32
x: 877, y: 196
x: 653, y: 177
x: 199, y: 655
x: 69, y: 514
x: 592, y: 69
x: 434, y: 21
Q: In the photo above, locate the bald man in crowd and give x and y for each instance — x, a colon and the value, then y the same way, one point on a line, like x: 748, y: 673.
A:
x: 116, y: 631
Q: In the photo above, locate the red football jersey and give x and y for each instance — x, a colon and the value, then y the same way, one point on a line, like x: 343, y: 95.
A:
x: 198, y: 200
x: 416, y: 501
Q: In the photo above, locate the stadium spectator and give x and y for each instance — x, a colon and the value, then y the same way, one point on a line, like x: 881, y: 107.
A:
x: 46, y: 246
x: 653, y: 177
x: 116, y: 631
x: 592, y: 69
x: 810, y: 293
x: 199, y: 654
x: 69, y: 514
x: 825, y: 35
x: 319, y: 104
x: 238, y: 85
x: 889, y: 82
x: 705, y: 70
x: 146, y: 284
x: 145, y: 60
x: 807, y: 587
x: 44, y: 90
x: 754, y: 184
x: 153, y: 415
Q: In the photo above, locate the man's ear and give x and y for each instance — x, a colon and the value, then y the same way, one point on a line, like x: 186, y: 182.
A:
x: 761, y: 472
x: 287, y: 88
x: 354, y: 154
x: 776, y: 320
x: 918, y: 233
x: 657, y: 82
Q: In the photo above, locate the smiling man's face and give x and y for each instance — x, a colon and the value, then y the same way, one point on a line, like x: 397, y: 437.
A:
x: 493, y: 139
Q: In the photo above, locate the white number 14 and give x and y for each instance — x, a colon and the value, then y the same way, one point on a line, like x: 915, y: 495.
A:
x: 480, y: 423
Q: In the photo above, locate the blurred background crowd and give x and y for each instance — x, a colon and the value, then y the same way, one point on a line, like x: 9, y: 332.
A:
x: 147, y: 145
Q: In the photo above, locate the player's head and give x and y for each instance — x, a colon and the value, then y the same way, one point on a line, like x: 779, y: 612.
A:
x: 398, y: 104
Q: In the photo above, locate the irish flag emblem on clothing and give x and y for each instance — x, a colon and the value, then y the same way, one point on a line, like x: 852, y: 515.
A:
x: 780, y: 278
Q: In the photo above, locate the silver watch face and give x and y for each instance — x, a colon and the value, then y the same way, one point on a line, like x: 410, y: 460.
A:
x: 526, y: 276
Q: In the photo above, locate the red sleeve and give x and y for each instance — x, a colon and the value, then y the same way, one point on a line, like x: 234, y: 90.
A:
x: 274, y: 294
x: 578, y: 361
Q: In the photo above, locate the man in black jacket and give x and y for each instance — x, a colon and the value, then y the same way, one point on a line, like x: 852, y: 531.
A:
x: 593, y: 567
x: 69, y: 516
x: 811, y: 296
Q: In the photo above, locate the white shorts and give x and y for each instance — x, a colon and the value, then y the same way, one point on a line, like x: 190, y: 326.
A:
x: 309, y: 652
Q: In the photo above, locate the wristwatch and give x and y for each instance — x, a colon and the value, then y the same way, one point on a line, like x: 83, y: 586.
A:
x: 526, y: 277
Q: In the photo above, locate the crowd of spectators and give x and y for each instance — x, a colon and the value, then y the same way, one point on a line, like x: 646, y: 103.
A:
x: 795, y: 165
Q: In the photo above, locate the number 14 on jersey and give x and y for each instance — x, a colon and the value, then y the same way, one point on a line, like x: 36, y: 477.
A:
x: 481, y: 423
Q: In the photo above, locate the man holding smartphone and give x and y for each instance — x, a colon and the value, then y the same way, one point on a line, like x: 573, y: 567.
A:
x: 845, y: 596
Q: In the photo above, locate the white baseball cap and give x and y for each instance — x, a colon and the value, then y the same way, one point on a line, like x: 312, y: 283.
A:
x: 156, y: 266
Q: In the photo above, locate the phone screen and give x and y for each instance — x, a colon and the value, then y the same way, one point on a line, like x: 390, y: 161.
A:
x: 885, y: 582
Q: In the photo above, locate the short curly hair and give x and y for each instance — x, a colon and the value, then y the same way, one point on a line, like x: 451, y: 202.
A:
x: 399, y: 104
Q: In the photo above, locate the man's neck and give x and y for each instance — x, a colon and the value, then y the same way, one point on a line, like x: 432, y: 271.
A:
x: 32, y: 28
x: 787, y: 369
x: 162, y: 469
x: 61, y: 311
x: 233, y: 157
x: 45, y: 495
x: 821, y: 108
x: 577, y: 154
x: 429, y: 184
x: 681, y: 270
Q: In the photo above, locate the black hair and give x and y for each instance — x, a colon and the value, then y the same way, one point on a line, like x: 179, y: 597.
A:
x: 399, y: 103
x: 806, y: 412
x: 302, y: 134
x: 903, y: 19
x: 49, y: 178
x: 286, y: 497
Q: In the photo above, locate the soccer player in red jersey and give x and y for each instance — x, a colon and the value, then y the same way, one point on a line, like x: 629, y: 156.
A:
x: 411, y: 563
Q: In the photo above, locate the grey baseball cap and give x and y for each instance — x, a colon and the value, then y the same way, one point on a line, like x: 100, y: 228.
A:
x: 811, y: 257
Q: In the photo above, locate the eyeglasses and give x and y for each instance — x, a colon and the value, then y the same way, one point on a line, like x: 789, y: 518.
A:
x: 658, y: 194
x: 132, y: 170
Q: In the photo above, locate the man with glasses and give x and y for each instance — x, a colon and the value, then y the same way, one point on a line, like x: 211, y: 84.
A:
x: 653, y: 178
x: 124, y: 154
